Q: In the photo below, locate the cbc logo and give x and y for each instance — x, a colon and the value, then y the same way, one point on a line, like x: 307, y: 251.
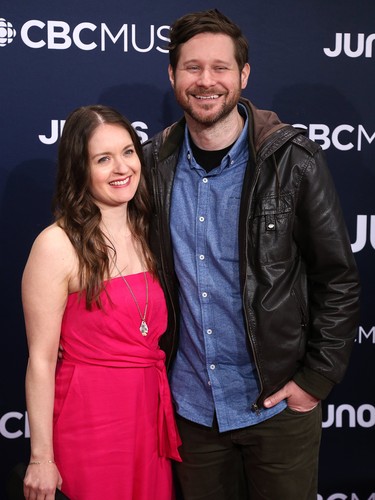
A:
x: 59, y: 35
x: 7, y: 32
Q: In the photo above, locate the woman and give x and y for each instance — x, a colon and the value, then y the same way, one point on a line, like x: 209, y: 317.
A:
x: 101, y: 419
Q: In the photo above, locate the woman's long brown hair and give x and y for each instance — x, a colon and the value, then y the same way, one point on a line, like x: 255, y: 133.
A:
x: 75, y: 210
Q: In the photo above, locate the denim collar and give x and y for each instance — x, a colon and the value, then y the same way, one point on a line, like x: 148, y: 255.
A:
x: 234, y: 155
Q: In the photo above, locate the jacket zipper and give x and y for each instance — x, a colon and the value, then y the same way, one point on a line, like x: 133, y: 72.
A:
x: 254, y: 406
x: 301, y: 308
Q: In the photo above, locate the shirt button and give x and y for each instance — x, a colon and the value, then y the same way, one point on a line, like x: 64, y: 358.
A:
x: 209, y: 382
x: 201, y: 219
x: 209, y: 331
x: 205, y: 180
x: 271, y: 226
x: 201, y: 257
x: 204, y: 294
x: 212, y: 367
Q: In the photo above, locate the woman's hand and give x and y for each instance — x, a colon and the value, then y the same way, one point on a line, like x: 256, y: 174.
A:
x: 41, y: 481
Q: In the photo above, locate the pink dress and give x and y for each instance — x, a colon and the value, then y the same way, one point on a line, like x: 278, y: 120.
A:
x: 114, y: 428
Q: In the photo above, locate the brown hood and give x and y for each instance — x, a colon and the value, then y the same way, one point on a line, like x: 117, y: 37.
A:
x: 264, y: 123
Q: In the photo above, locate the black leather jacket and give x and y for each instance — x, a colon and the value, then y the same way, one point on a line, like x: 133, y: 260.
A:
x: 298, y: 275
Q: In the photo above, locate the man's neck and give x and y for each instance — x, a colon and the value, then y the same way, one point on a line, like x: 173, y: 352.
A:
x: 219, y: 135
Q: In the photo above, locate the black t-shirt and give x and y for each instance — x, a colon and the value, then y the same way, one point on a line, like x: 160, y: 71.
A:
x: 208, y: 159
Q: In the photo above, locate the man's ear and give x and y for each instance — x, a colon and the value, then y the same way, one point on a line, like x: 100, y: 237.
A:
x: 171, y: 75
x: 245, y: 73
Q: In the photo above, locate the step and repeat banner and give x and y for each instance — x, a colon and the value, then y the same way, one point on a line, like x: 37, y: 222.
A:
x: 312, y: 62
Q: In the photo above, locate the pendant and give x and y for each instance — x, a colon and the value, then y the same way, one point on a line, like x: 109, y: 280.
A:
x: 143, y: 328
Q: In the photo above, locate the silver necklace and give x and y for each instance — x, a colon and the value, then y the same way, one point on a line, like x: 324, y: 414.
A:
x: 143, y: 328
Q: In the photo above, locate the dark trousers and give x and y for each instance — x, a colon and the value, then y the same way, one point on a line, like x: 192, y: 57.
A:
x: 274, y: 460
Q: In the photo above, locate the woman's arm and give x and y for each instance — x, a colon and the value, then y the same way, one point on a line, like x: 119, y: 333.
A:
x: 45, y: 286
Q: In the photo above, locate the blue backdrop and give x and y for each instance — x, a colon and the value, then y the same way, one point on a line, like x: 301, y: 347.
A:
x: 312, y: 63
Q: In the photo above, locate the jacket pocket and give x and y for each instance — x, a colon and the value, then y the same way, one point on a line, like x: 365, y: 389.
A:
x: 302, y: 310
x: 271, y: 229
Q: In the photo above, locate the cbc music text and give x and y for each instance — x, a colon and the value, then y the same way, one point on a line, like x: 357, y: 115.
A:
x: 59, y: 35
x: 351, y: 45
x: 364, y: 336
x: 343, y: 137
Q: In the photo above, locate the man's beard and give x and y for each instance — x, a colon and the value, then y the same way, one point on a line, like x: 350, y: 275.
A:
x: 204, y: 116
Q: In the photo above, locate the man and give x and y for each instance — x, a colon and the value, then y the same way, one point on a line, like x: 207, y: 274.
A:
x: 258, y: 271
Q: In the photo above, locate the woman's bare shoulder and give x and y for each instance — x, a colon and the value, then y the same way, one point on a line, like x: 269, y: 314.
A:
x: 52, y: 249
x: 53, y: 239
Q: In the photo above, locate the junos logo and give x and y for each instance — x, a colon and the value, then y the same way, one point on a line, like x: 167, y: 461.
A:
x: 348, y: 416
x: 351, y: 48
x: 58, y: 125
x: 59, y: 35
x: 363, y: 221
x: 7, y: 32
x: 343, y: 137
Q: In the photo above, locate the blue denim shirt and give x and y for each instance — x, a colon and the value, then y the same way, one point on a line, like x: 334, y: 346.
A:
x: 214, y: 369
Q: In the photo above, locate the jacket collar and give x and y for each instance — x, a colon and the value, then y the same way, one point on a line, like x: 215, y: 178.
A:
x: 262, y: 124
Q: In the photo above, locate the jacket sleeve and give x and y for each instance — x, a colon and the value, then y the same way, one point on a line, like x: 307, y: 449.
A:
x: 332, y: 279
